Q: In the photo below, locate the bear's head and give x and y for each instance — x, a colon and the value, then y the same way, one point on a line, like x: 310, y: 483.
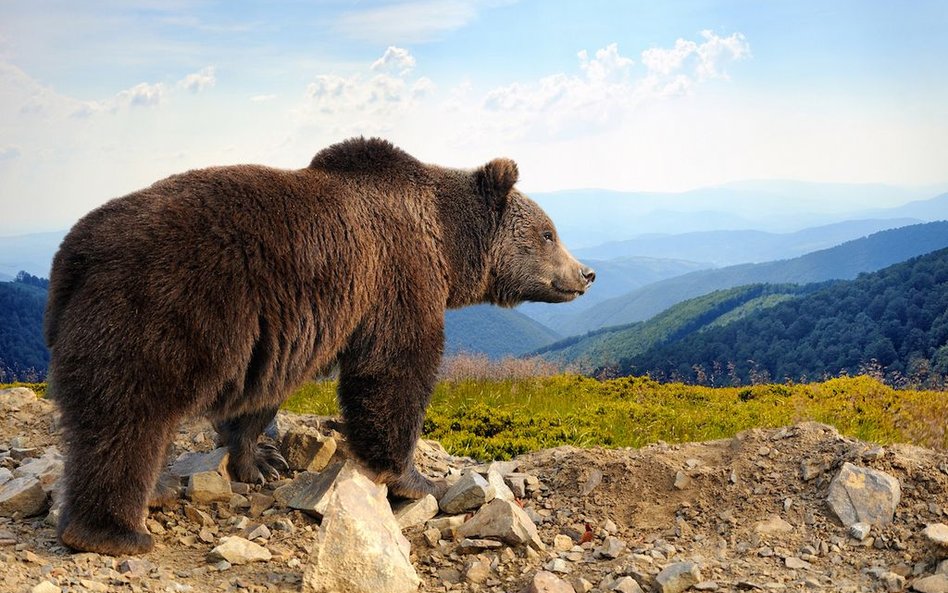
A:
x: 527, y: 260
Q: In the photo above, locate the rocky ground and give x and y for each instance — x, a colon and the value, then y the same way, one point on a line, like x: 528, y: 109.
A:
x: 792, y: 509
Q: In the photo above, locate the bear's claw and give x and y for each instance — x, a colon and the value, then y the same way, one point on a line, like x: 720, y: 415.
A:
x: 263, y: 463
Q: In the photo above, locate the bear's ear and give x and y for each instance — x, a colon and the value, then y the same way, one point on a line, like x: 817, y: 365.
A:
x: 495, y: 180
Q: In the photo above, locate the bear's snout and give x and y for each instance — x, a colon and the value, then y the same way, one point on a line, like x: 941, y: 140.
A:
x: 588, y: 274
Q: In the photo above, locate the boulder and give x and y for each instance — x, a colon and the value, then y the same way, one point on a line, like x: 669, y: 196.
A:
x: 207, y: 487
x: 188, y: 464
x: 311, y: 495
x: 502, y: 520
x: 468, y: 493
x: 860, y: 494
x: 306, y: 449
x: 416, y: 512
x: 23, y: 497
x: 359, y: 547
x: 678, y: 577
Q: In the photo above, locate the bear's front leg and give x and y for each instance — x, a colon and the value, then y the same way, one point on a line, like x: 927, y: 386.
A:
x: 250, y: 461
x: 384, y: 412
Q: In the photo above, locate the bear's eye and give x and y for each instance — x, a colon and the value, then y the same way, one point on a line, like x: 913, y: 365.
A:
x: 547, y: 235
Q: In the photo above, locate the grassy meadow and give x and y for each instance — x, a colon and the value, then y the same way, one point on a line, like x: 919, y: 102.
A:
x: 498, y: 410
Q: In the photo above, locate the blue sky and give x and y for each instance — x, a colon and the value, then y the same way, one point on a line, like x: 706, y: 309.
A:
x: 98, y: 99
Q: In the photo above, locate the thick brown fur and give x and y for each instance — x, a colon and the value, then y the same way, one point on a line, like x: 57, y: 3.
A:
x: 218, y: 291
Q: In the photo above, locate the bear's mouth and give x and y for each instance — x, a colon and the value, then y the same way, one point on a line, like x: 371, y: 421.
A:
x: 571, y: 292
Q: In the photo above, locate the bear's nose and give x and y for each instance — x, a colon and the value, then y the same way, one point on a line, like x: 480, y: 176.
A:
x: 588, y: 274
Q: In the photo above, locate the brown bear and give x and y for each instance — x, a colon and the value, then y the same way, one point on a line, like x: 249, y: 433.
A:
x: 218, y: 291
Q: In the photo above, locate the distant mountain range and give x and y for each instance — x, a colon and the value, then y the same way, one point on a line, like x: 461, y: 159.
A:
x: 494, y: 331
x: 842, y: 262
x: 895, y: 320
x: 23, y: 353
x: 724, y: 248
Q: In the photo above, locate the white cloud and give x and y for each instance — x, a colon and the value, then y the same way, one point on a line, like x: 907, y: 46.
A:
x: 141, y: 95
x: 262, y: 98
x: 674, y: 70
x: 396, y: 60
x: 358, y: 103
x: 407, y: 22
x: 199, y: 81
x: 607, y: 65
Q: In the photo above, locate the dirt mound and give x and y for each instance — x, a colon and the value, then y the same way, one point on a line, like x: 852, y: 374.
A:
x: 747, y: 513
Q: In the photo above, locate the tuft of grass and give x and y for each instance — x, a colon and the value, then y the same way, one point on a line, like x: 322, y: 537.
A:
x: 38, y: 388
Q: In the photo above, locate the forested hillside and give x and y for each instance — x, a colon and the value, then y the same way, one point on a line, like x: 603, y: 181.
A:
x: 23, y: 354
x: 607, y: 346
x: 493, y: 331
x: 843, y: 262
x: 892, y: 322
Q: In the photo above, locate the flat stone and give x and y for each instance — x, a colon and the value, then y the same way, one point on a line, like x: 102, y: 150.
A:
x: 468, y: 545
x: 773, y: 525
x: 307, y: 449
x: 678, y: 577
x: 446, y: 525
x: 46, y: 469
x: 238, y: 550
x: 706, y: 586
x: 580, y: 585
x: 860, y: 494
x: 936, y: 583
x: 547, y: 582
x: 796, y: 563
x: 135, y: 567
x: 23, y: 497
x: 45, y: 587
x: 359, y: 547
x: 198, y: 516
x: 468, y: 493
x: 416, y: 512
x: 256, y: 531
x: 937, y: 533
x: 259, y: 503
x: 682, y: 480
x: 207, y: 487
x: 626, y: 584
x: 188, y: 464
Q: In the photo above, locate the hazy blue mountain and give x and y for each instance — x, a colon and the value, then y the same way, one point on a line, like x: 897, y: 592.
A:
x: 845, y: 261
x: 725, y: 248
x: 588, y: 217
x: 614, y: 277
x: 31, y: 252
x: 494, y: 331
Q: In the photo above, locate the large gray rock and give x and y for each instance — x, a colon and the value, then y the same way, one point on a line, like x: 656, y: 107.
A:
x: 238, y: 550
x: 23, y: 497
x: 359, y: 547
x: 416, y: 512
x: 313, y: 492
x: 678, y: 577
x: 936, y: 583
x: 468, y: 493
x: 306, y: 449
x: 547, y: 582
x: 860, y: 494
x: 502, y: 520
x: 208, y: 487
x: 46, y: 469
x: 188, y: 464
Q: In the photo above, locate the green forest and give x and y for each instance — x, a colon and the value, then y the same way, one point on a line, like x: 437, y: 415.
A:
x: 892, y: 323
x: 23, y: 354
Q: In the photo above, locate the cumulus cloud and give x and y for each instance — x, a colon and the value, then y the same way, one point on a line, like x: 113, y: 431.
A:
x: 608, y: 87
x: 142, y: 94
x: 199, y: 81
x: 395, y: 59
x: 367, y: 103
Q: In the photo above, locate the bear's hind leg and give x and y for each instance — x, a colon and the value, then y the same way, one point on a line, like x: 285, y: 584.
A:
x: 112, y: 464
x: 250, y: 461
